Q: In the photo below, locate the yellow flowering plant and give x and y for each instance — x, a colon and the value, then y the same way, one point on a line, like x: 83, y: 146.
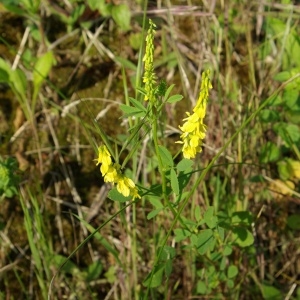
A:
x: 167, y: 193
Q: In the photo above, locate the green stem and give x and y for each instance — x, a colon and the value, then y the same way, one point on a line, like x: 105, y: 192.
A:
x: 161, y: 169
x: 134, y: 252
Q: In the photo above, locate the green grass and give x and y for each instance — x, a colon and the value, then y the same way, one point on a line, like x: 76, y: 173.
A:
x: 223, y: 225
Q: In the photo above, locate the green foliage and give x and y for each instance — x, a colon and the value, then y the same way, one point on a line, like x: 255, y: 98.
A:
x: 41, y: 70
x: 22, y: 7
x: 270, y: 292
x: 116, y: 196
x: 18, y: 82
x: 119, y: 12
x: 121, y: 15
x: 41, y: 250
x: 288, y: 39
x: 8, y: 178
x: 214, y: 239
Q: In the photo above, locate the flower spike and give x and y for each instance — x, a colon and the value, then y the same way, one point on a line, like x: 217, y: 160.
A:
x: 149, y: 76
x: 194, y: 129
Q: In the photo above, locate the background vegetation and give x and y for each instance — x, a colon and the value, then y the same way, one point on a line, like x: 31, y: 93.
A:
x: 65, y: 69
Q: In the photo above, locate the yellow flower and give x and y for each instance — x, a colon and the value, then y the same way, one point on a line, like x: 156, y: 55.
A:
x: 104, y: 158
x: 124, y: 185
x: 112, y: 174
x: 194, y: 130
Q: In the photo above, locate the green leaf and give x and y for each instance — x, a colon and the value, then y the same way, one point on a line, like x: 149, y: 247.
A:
x: 282, y: 76
x: 121, y: 15
x: 101, y: 5
x: 293, y: 116
x: 284, y: 170
x: 286, y: 75
x: 169, y: 267
x: 242, y: 237
x: 209, y: 218
x: 198, y: 216
x: 227, y: 250
x: 4, y: 76
x: 126, y: 63
x: 230, y: 283
x: 155, y: 190
x: 174, y: 98
x: 174, y: 182
x: 181, y: 234
x: 168, y: 91
x: 276, y: 100
x: 242, y: 217
x: 156, y: 202
x: 185, y: 165
x: 270, y: 292
x: 290, y: 133
x: 291, y: 98
x: 215, y: 256
x: 185, y: 172
x: 9, y: 192
x: 168, y: 253
x: 116, y: 196
x: 18, y: 82
x: 269, y: 153
x: 69, y: 266
x: 201, y: 288
x: 94, y: 270
x: 223, y: 263
x: 291, y: 45
x: 110, y: 275
x: 205, y: 240
x: 268, y: 115
x: 13, y: 6
x: 141, y: 90
x: 293, y: 221
x: 76, y: 13
x: 232, y: 271
x: 41, y: 70
x: 130, y: 111
x: 221, y: 232
x: 137, y: 104
x: 93, y: 4
x: 152, y: 214
x: 156, y: 279
x: 166, y: 157
x: 5, y: 70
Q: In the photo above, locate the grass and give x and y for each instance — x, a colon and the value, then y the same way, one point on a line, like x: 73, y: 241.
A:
x: 224, y: 225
